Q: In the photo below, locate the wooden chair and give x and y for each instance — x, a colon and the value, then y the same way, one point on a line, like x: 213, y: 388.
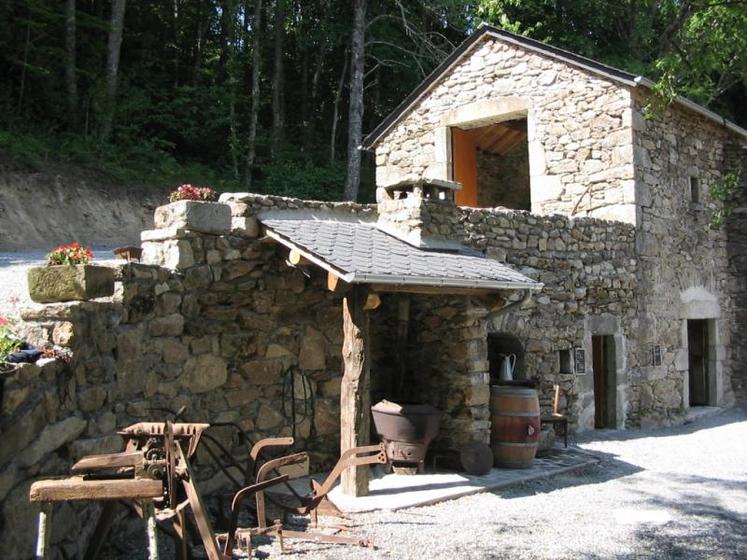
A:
x: 557, y: 419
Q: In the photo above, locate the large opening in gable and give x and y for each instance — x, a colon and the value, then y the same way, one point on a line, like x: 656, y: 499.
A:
x: 492, y: 164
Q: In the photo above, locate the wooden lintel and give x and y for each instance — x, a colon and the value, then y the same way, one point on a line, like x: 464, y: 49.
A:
x: 336, y: 284
x: 297, y: 259
x: 433, y: 290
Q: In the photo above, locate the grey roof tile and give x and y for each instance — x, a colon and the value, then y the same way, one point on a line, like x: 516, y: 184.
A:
x: 363, y: 253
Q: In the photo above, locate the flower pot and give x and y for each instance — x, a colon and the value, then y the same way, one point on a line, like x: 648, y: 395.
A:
x: 48, y: 284
x: 194, y: 215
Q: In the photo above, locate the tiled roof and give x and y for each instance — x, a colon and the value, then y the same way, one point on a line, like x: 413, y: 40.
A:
x: 361, y: 253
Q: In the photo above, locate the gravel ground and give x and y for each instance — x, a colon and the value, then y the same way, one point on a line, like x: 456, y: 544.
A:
x: 676, y: 492
x: 668, y: 493
x: 13, y: 266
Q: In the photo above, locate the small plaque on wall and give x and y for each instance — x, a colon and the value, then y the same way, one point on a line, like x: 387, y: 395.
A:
x: 656, y: 355
x: 579, y: 360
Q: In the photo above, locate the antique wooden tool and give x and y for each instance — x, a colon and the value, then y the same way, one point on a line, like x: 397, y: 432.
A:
x: 153, y: 473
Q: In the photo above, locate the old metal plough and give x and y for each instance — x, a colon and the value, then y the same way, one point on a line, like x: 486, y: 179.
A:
x: 153, y: 473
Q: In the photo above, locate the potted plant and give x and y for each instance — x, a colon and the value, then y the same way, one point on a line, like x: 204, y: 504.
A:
x: 192, y: 192
x: 69, y: 276
x: 194, y: 208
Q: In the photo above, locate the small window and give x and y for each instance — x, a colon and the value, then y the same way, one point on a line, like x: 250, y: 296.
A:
x: 656, y: 355
x: 694, y: 190
x: 565, y: 361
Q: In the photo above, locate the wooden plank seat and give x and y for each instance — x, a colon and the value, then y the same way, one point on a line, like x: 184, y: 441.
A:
x: 81, y: 488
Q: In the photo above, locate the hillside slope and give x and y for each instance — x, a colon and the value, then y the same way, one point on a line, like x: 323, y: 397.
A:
x: 59, y: 203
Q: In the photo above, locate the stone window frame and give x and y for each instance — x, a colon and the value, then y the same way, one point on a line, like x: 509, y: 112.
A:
x: 491, y: 111
x: 604, y: 325
x: 696, y: 189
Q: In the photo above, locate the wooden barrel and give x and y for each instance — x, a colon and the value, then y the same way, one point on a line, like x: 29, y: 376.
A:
x: 515, y: 417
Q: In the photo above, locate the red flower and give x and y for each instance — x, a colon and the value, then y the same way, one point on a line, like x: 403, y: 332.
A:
x: 70, y: 254
x: 192, y: 192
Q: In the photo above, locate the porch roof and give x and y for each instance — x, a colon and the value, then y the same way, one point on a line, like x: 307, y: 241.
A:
x: 360, y: 253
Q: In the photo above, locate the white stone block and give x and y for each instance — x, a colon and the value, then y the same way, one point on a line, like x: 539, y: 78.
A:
x: 618, y: 213
x: 205, y: 217
x: 545, y: 187
x: 248, y: 227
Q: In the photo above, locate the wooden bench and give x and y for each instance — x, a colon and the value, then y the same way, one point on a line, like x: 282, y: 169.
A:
x: 80, y: 488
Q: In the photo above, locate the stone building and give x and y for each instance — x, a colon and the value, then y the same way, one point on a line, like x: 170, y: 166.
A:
x: 579, y: 242
x: 527, y: 126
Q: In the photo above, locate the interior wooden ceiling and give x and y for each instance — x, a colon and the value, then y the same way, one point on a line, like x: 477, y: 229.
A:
x: 499, y: 138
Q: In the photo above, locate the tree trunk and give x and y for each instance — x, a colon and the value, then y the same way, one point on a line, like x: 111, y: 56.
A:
x: 199, y: 37
x: 336, y: 110
x: 312, y: 108
x: 278, y: 81
x: 355, y: 110
x: 355, y: 392
x: 256, y: 62
x: 175, y: 24
x: 112, y: 66
x: 231, y: 83
x: 71, y: 82
x: 226, y: 25
x: 26, y: 47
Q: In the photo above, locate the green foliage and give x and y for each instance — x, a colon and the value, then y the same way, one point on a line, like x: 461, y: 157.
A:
x: 304, y: 180
x: 184, y: 99
x: 723, y: 191
x: 9, y: 343
x: 702, y: 55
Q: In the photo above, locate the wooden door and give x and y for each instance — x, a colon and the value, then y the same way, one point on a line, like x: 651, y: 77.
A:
x: 599, y: 366
x: 697, y: 353
x: 464, y: 160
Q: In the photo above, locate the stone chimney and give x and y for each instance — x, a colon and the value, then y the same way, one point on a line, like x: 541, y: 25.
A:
x: 422, y: 213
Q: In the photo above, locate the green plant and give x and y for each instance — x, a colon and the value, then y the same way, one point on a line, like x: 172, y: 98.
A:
x: 71, y: 254
x: 723, y: 191
x: 9, y: 343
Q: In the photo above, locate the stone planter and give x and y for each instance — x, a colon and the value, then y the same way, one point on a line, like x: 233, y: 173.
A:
x: 194, y: 215
x: 48, y: 284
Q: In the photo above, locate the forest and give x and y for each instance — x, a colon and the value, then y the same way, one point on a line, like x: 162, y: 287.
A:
x: 275, y: 96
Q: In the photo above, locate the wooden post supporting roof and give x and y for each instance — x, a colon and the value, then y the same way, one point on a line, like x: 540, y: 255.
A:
x: 355, y: 394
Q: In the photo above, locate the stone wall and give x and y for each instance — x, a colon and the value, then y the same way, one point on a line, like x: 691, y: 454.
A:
x: 503, y: 180
x: 736, y: 250
x: 219, y: 331
x: 683, y: 262
x: 579, y: 129
x: 589, y: 270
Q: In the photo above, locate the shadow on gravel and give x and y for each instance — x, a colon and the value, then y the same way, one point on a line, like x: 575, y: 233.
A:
x: 729, y: 416
x: 703, y: 527
x: 609, y: 468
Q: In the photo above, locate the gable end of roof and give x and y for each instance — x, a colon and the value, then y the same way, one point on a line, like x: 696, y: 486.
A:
x: 486, y: 31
